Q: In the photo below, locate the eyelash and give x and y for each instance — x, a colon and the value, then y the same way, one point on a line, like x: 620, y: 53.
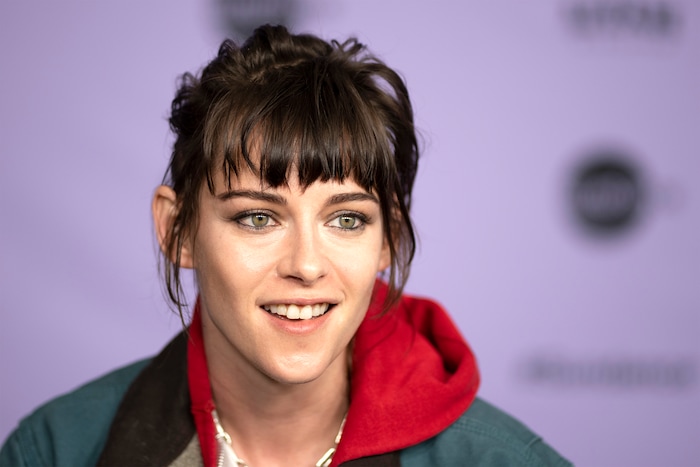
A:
x: 249, y: 215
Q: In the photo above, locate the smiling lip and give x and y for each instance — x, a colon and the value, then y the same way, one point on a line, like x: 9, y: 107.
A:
x: 293, y: 311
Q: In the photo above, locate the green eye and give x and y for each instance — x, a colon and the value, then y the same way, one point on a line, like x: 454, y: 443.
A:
x: 351, y: 221
x: 259, y: 220
x: 347, y: 222
x: 255, y: 220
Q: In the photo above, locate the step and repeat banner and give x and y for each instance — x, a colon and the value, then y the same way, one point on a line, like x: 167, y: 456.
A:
x: 557, y: 203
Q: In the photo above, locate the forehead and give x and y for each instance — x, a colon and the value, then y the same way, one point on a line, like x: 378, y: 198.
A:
x: 250, y: 180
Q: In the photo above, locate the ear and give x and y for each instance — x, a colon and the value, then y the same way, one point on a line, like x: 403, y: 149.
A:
x: 384, y: 256
x: 164, y: 208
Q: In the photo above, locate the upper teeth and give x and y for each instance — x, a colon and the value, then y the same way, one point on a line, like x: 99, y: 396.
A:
x: 298, y: 312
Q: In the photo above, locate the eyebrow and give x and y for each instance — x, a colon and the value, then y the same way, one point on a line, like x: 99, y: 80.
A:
x: 277, y: 199
x: 355, y: 196
x: 251, y: 194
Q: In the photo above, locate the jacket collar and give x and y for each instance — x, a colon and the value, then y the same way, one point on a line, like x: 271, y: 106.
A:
x: 153, y: 424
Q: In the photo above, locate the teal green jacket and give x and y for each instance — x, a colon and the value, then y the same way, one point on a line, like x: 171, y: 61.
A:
x: 139, y: 415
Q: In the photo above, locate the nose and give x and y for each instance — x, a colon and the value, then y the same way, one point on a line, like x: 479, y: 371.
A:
x: 304, y: 257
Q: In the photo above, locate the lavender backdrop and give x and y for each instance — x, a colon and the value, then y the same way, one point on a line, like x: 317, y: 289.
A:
x: 589, y: 334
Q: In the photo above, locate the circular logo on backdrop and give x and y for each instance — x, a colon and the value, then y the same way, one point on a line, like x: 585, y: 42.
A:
x: 607, y: 192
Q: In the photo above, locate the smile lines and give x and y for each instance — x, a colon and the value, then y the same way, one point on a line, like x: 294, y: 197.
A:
x: 298, y: 312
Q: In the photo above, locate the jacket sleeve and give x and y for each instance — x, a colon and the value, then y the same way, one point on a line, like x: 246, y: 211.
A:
x: 22, y: 448
x: 70, y: 430
x: 12, y: 454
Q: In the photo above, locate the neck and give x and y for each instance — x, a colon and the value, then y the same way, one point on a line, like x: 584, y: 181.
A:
x: 273, y: 423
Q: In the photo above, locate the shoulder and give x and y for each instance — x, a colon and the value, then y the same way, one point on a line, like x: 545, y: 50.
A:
x: 484, y: 436
x: 71, y: 429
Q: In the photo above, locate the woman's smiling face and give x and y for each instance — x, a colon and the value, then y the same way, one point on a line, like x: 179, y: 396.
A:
x: 285, y: 274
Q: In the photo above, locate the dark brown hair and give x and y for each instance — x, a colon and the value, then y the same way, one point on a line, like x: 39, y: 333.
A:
x: 330, y: 111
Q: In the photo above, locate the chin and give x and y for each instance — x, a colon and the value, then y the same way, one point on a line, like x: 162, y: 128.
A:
x: 301, y: 370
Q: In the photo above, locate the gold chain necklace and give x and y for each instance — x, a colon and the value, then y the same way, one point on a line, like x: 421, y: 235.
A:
x: 226, y: 449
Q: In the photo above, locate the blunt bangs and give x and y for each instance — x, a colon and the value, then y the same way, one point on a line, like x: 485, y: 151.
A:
x: 312, y: 118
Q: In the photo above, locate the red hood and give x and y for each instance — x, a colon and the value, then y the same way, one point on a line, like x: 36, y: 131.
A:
x: 413, y: 375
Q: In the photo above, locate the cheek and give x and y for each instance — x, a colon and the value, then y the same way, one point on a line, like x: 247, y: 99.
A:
x: 228, y: 267
x: 252, y: 260
x: 220, y: 250
x: 359, y: 271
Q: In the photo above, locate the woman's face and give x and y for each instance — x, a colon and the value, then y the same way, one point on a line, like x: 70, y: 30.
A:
x: 286, y: 274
